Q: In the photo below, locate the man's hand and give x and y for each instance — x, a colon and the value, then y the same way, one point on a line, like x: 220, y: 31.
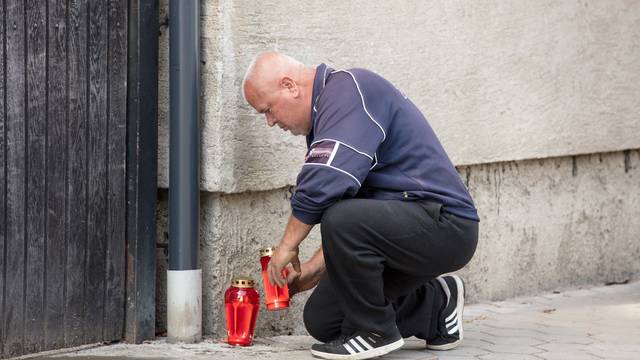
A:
x: 282, y: 257
x: 287, y: 250
x: 312, y: 272
x: 301, y: 281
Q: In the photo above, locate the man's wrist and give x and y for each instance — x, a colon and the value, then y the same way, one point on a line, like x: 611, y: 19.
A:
x: 314, y: 268
x: 318, y: 262
x: 286, y: 246
x: 295, y: 232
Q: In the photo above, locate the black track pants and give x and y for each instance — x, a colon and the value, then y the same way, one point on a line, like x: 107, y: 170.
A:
x: 381, y: 258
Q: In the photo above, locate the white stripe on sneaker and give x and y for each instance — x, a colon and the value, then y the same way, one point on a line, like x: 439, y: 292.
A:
x: 450, y: 323
x: 364, y: 343
x: 374, y: 352
x: 354, y: 343
x: 454, y: 329
x: 445, y: 288
x: 349, y: 349
x: 453, y: 314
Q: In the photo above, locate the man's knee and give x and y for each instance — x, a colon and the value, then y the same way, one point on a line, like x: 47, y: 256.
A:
x: 317, y: 325
x: 342, y: 217
x: 333, y: 229
x: 333, y: 218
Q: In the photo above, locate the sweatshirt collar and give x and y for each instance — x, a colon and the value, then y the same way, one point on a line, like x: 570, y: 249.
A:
x: 318, y: 84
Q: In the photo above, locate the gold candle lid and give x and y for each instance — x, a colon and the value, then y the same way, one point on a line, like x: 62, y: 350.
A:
x: 268, y: 251
x: 242, y: 282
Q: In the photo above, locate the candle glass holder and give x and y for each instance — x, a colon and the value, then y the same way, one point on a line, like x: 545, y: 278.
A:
x: 276, y: 298
x: 241, y: 303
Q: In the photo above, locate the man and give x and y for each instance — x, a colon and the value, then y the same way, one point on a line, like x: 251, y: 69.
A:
x: 394, y: 212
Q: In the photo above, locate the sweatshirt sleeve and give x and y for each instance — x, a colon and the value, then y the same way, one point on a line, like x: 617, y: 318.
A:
x: 338, y: 161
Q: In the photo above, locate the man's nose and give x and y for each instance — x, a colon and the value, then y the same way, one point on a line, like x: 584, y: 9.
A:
x: 270, y: 120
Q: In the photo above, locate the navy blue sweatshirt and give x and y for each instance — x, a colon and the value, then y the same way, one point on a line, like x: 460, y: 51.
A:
x: 368, y: 140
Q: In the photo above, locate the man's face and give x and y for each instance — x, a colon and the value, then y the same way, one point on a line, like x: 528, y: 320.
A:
x: 282, y: 106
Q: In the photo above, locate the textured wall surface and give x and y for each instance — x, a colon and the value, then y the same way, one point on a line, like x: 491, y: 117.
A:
x: 498, y: 80
x: 545, y: 224
x: 233, y: 229
x: 502, y: 83
x: 554, y: 223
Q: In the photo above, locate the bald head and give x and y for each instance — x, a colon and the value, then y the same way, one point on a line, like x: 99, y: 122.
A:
x: 267, y: 69
x: 280, y: 87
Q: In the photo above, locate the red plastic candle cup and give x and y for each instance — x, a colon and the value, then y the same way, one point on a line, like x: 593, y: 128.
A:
x: 276, y: 298
x: 241, y: 302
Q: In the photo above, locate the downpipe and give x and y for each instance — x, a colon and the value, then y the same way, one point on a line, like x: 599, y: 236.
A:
x: 184, y: 278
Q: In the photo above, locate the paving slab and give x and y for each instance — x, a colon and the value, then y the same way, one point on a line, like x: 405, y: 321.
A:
x: 570, y: 355
x: 595, y: 323
x: 508, y: 357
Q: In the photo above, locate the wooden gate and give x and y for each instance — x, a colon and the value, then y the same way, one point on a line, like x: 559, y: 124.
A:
x: 64, y: 231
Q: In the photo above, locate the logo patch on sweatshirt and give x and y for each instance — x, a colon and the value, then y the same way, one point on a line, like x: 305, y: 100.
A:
x: 322, y: 152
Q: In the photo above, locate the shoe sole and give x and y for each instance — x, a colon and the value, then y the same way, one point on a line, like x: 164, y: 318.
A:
x: 361, y: 355
x: 459, y: 310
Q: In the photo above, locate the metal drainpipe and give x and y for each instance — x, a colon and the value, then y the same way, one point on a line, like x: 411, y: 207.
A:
x: 184, y: 278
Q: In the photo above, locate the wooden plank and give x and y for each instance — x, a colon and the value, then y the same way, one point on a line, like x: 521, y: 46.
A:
x: 76, y: 173
x: 3, y: 189
x: 142, y: 111
x: 36, y: 176
x: 56, y: 175
x: 15, y: 217
x: 117, y: 130
x: 97, y: 125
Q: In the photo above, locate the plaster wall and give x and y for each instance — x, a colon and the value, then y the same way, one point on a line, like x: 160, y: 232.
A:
x: 545, y: 224
x: 233, y: 229
x: 516, y: 91
x: 498, y: 81
x: 554, y: 223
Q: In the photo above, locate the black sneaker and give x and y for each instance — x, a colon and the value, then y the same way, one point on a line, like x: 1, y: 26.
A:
x: 450, y: 323
x: 359, y: 345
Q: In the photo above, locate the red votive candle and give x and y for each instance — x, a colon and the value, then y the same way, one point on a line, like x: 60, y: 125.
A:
x: 241, y: 302
x: 276, y: 297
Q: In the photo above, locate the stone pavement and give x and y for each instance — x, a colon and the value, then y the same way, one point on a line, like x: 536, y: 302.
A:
x: 596, y: 323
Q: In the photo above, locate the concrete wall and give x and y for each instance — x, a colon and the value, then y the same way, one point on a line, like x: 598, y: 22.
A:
x: 554, y: 223
x: 233, y: 228
x: 514, y: 90
x: 498, y: 80
x: 545, y: 224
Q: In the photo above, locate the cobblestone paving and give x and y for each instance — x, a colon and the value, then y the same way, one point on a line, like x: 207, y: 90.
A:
x: 597, y: 323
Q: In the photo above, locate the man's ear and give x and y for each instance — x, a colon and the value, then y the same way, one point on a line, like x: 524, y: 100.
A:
x: 290, y: 86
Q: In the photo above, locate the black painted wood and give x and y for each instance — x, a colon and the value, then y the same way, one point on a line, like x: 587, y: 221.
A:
x: 116, y: 162
x: 15, y: 73
x: 97, y: 186
x: 69, y: 238
x: 142, y: 168
x: 76, y: 227
x: 3, y: 189
x: 36, y: 138
x: 56, y: 167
